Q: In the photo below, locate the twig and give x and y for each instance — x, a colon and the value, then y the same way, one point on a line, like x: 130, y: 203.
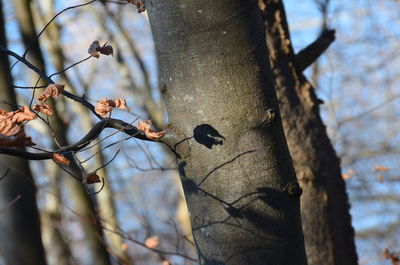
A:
x: 11, y: 203
x: 50, y: 81
x: 312, y: 52
x: 86, y: 140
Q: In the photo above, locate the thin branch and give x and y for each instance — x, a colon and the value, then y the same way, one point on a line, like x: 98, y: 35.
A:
x: 72, y: 65
x: 86, y: 140
x: 69, y: 95
x: 5, y: 174
x: 112, y: 159
x: 312, y: 52
x: 51, y: 20
x: 11, y: 203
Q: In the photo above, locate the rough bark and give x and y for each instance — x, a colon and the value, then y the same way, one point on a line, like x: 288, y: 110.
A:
x: 328, y: 233
x: 81, y: 202
x: 234, y: 164
x: 20, y: 240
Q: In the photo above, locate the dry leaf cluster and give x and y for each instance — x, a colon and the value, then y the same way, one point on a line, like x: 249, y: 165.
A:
x: 105, y: 106
x: 51, y: 91
x: 145, y: 127
x: 12, y: 132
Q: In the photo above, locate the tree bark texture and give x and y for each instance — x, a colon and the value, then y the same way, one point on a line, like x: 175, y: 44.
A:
x: 328, y: 233
x: 235, y: 167
x: 20, y: 236
x: 81, y: 201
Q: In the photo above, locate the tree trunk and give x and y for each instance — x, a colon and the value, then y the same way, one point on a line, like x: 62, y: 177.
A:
x: 328, y: 233
x: 58, y: 249
x: 234, y: 164
x: 20, y: 237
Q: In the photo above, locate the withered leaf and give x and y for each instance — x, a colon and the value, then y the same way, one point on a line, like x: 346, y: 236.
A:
x: 92, y: 178
x: 18, y: 116
x: 145, y: 126
x: 104, y: 106
x: 12, y: 133
x: 140, y: 4
x: 95, y: 49
x: 395, y: 259
x: 61, y: 159
x: 381, y: 168
x: 51, y: 91
x: 43, y: 108
x: 152, y: 242
x: 16, y: 140
x: 9, y: 128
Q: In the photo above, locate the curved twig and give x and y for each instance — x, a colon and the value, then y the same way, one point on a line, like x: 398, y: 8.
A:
x: 69, y: 95
x: 86, y: 140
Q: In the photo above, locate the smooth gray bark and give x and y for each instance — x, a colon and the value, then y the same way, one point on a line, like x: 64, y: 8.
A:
x: 233, y: 160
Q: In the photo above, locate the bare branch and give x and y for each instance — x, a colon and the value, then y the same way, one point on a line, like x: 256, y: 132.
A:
x: 312, y: 52
x: 5, y: 174
x: 11, y: 203
x: 69, y: 95
x: 86, y: 140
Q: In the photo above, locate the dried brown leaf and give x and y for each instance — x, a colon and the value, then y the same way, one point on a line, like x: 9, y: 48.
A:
x: 140, y: 4
x: 395, y: 259
x: 95, y: 49
x: 152, y: 242
x: 9, y: 128
x: 124, y: 247
x: 106, y: 50
x: 43, y: 108
x: 18, y: 116
x: 145, y: 126
x: 51, y: 91
x: 105, y: 106
x: 12, y: 133
x: 346, y: 176
x: 381, y: 168
x: 119, y: 103
x: 18, y: 139
x: 92, y: 178
x: 61, y: 159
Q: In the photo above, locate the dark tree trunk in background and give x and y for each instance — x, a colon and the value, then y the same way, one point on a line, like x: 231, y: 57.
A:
x: 20, y: 237
x: 328, y: 233
x: 234, y: 164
